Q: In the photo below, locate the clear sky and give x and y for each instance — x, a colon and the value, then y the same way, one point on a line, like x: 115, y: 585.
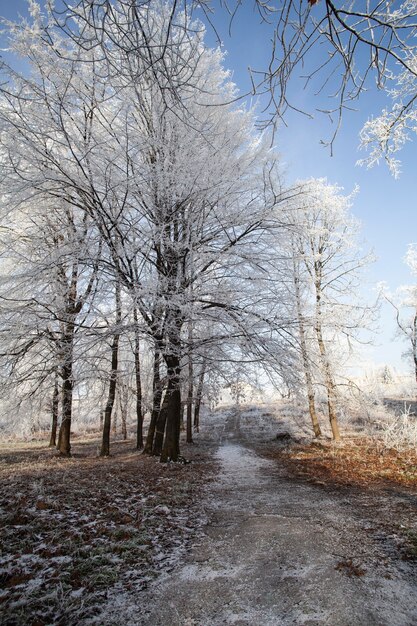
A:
x: 386, y: 207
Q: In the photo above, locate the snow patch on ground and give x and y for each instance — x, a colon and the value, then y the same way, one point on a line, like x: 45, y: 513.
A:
x: 239, y: 465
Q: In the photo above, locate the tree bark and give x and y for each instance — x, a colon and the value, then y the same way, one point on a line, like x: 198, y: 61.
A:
x: 199, y: 396
x: 182, y: 412
x: 160, y: 425
x: 55, y: 409
x: 156, y: 402
x: 139, y: 413
x: 171, y: 447
x: 105, y: 444
x: 304, y: 350
x: 328, y: 378
x: 123, y: 405
x: 114, y: 420
x: 414, y: 343
x: 190, y: 400
x: 64, y: 437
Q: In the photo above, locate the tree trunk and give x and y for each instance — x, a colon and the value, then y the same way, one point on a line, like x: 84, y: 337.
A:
x: 156, y: 402
x: 139, y: 414
x: 123, y: 405
x: 190, y: 400
x: 124, y: 427
x: 58, y: 445
x: 160, y: 425
x: 73, y: 307
x: 182, y: 411
x: 105, y: 444
x: 312, y: 409
x: 328, y: 378
x: 171, y: 448
x: 55, y: 409
x: 304, y: 351
x: 114, y: 420
x: 414, y: 343
x: 199, y: 396
x: 64, y: 437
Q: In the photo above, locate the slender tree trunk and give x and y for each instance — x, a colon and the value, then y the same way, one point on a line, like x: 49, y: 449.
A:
x: 55, y: 409
x: 114, y: 420
x: 73, y: 307
x: 199, y: 396
x: 190, y: 400
x: 105, y: 444
x: 156, y: 402
x: 139, y: 413
x: 123, y: 405
x: 64, y: 437
x: 124, y: 427
x: 328, y: 378
x: 304, y: 351
x: 58, y: 445
x: 414, y: 343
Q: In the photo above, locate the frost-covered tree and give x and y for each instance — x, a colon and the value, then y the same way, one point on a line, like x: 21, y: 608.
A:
x: 172, y: 178
x: 50, y: 275
x: 404, y: 302
x: 326, y: 262
x: 384, y: 135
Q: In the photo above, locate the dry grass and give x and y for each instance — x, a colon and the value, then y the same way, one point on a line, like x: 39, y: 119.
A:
x: 356, y: 461
x: 380, y: 483
x: 74, y: 529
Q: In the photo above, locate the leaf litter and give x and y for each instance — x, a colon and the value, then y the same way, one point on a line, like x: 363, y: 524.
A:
x: 79, y: 531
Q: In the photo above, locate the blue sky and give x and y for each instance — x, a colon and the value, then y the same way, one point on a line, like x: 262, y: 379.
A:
x: 386, y: 207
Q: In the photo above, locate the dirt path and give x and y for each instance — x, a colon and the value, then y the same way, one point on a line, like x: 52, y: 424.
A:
x: 277, y: 552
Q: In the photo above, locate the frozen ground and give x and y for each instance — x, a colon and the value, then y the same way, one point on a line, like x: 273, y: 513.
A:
x: 129, y: 547
x: 280, y: 552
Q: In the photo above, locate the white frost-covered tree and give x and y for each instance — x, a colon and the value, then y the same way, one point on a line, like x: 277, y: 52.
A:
x: 326, y: 262
x: 173, y: 179
x: 404, y: 302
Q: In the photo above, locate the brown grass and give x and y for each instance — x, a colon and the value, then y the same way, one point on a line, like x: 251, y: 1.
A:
x: 357, y: 461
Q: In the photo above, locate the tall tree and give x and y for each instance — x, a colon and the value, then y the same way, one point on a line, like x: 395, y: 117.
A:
x: 404, y: 302
x: 174, y: 180
x: 114, y: 371
x: 48, y: 285
x: 327, y: 263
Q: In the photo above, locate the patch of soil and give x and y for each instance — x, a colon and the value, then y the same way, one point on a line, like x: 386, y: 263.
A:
x: 74, y: 529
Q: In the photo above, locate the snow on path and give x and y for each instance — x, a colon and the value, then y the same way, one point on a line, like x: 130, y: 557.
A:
x: 270, y: 554
x: 269, y: 557
x: 240, y: 466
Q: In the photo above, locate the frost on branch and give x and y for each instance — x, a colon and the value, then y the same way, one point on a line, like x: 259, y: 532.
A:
x: 385, y: 135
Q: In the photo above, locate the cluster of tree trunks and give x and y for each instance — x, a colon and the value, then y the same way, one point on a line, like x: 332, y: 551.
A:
x: 163, y: 434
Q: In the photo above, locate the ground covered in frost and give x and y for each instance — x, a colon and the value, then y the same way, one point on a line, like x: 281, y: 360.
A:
x: 281, y: 548
x: 263, y: 527
x: 79, y: 532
